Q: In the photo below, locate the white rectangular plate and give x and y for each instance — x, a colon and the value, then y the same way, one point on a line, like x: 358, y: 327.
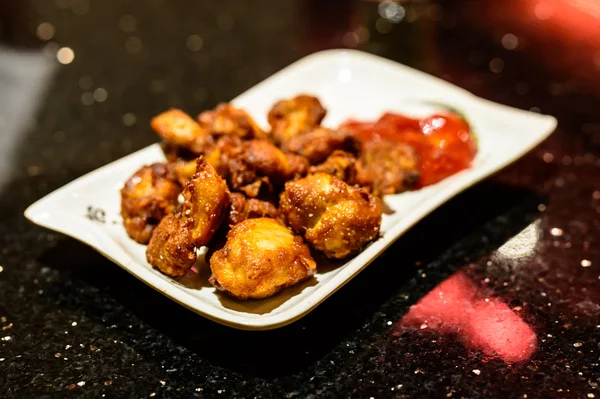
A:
x: 351, y: 84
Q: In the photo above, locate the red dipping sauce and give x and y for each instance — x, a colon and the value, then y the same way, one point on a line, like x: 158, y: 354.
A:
x: 443, y: 142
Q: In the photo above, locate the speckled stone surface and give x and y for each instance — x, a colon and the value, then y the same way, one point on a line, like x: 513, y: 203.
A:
x: 74, y: 324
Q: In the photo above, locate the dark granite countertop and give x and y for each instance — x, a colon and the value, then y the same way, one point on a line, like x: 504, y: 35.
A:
x: 526, y: 241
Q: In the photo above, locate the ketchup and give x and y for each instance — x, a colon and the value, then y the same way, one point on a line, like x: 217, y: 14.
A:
x: 443, y: 142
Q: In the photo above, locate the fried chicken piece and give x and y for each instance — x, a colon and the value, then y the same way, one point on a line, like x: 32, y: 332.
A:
x: 258, y: 165
x: 334, y: 218
x: 228, y: 120
x: 243, y: 208
x: 259, y: 259
x: 170, y: 249
x: 206, y: 201
x: 317, y: 144
x: 146, y: 198
x: 387, y: 167
x: 178, y: 129
x: 340, y: 164
x: 293, y: 116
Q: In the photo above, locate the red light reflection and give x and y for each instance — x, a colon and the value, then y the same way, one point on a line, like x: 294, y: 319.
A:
x: 488, y: 325
x: 546, y: 28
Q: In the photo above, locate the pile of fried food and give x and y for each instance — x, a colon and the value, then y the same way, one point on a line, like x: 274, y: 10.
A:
x: 257, y: 198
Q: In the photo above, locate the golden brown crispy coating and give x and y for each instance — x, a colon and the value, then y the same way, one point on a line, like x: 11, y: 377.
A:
x: 293, y: 116
x: 298, y: 166
x: 340, y: 164
x: 387, y: 167
x: 335, y: 218
x: 170, y: 249
x: 317, y: 144
x: 219, y: 154
x: 183, y: 163
x: 178, y: 129
x: 206, y: 201
x: 243, y: 208
x: 184, y: 170
x: 228, y: 120
x: 146, y: 198
x: 258, y: 165
x: 259, y: 259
